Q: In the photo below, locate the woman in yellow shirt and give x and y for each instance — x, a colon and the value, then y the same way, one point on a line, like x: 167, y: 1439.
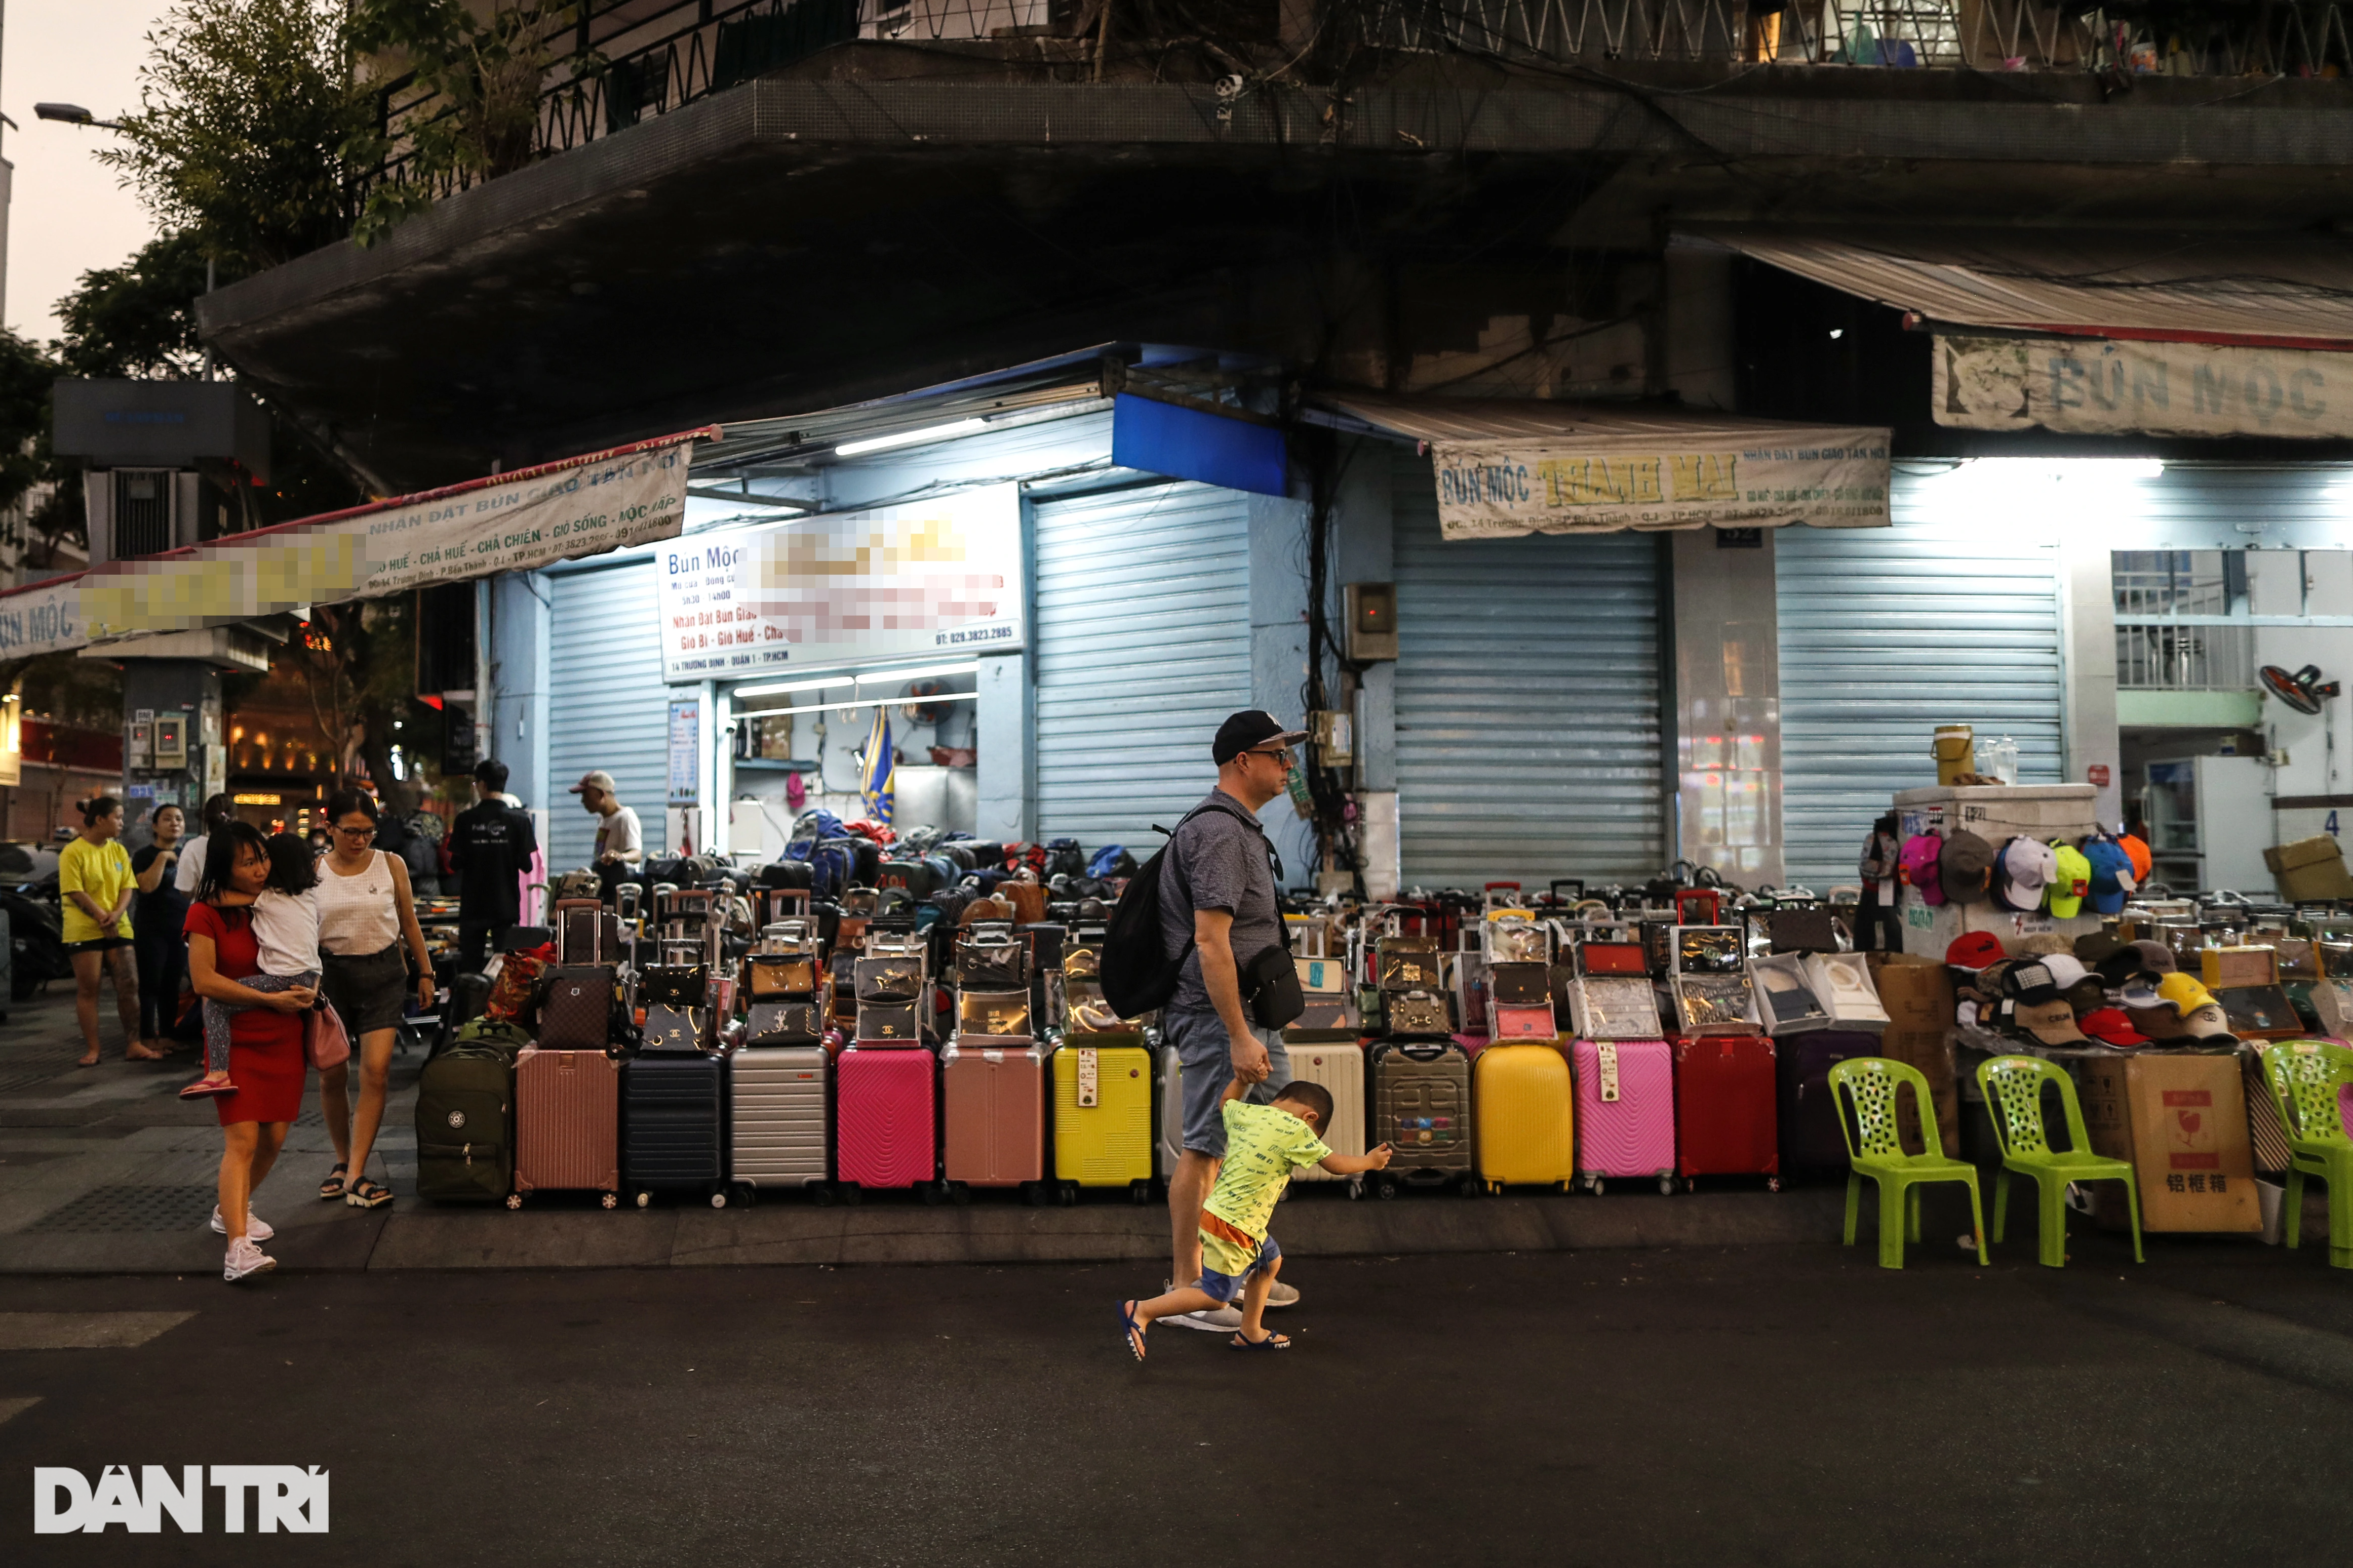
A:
x: 94, y: 885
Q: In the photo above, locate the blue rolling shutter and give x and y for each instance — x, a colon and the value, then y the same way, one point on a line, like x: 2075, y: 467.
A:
x: 1142, y: 645
x: 607, y: 707
x: 1527, y: 703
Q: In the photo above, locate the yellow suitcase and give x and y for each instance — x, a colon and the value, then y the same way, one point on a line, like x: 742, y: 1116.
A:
x: 1102, y: 1114
x: 1524, y: 1114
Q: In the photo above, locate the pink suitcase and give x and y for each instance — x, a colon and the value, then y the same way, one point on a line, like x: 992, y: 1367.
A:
x: 567, y: 1124
x: 1625, y: 1110
x: 886, y: 1120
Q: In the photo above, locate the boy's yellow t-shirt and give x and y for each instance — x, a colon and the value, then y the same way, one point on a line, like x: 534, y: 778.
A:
x: 101, y: 870
x: 1263, y: 1146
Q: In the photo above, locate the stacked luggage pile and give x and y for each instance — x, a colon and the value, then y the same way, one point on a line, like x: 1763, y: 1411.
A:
x: 726, y: 1033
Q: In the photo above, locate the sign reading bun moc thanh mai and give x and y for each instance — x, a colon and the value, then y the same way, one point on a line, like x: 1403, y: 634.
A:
x: 844, y: 588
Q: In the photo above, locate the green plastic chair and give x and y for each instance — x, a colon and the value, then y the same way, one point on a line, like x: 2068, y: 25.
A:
x: 2013, y: 1097
x: 2304, y: 1075
x: 1869, y: 1087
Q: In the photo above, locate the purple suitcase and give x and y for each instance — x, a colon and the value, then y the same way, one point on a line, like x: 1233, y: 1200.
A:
x: 1811, y: 1139
x: 1625, y: 1110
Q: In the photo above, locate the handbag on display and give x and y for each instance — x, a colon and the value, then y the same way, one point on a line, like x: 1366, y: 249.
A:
x: 1785, y: 1003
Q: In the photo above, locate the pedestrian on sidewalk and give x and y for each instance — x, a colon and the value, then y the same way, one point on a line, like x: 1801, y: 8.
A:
x: 217, y: 812
x: 490, y: 847
x: 285, y: 920
x: 1264, y: 1144
x: 95, y: 884
x: 265, y: 1037
x: 365, y: 916
x: 621, y: 839
x: 158, y: 912
x: 1218, y: 896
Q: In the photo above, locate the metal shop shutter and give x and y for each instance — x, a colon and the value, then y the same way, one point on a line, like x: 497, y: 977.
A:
x: 607, y: 707
x: 1886, y: 633
x: 1143, y: 648
x: 1527, y: 703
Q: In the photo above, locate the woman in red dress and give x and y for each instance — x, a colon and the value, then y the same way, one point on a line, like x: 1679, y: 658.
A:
x: 265, y: 1055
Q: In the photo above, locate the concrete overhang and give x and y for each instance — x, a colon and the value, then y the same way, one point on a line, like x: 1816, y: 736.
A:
x: 799, y: 244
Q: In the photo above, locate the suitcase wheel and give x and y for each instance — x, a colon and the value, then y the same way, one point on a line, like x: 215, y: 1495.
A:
x: 823, y: 1194
x: 959, y: 1194
x: 1385, y: 1187
x: 1139, y: 1192
x: 932, y: 1191
x: 1666, y: 1186
x: 1772, y: 1183
x: 645, y: 1200
x: 851, y: 1193
x: 747, y: 1194
x: 1356, y: 1188
x: 1593, y: 1185
x: 718, y: 1200
x: 612, y: 1200
x: 514, y: 1200
x: 1070, y: 1194
x: 1472, y: 1187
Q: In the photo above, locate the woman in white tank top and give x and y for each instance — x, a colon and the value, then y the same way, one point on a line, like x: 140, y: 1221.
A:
x: 365, y: 917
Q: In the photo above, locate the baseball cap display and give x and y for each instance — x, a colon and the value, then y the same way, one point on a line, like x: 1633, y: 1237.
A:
x: 2072, y: 882
x: 2066, y: 969
x: 2184, y: 994
x: 2031, y: 983
x: 2113, y: 878
x: 2047, y: 1023
x: 2112, y: 1026
x: 2138, y: 853
x: 2022, y: 873
x: 1964, y: 867
x: 2094, y: 946
x: 1916, y: 866
x: 1974, y: 950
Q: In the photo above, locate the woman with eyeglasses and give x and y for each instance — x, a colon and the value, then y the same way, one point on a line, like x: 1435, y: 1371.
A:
x: 365, y: 915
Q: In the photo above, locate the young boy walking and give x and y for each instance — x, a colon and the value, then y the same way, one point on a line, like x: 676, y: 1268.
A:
x: 1264, y: 1144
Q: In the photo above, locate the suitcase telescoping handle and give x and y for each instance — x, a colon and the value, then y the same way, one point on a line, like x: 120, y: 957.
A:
x: 1576, y: 886
x: 1706, y: 901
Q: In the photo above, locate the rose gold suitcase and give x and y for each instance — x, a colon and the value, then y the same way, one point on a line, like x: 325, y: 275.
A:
x: 567, y: 1123
x: 994, y: 1094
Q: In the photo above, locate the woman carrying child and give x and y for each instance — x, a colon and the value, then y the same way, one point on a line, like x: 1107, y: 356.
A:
x: 285, y: 920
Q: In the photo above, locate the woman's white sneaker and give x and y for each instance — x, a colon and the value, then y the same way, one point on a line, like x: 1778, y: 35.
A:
x: 244, y: 1260
x: 257, y: 1230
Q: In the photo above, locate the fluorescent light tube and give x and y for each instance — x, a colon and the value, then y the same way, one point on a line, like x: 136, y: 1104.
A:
x: 910, y: 438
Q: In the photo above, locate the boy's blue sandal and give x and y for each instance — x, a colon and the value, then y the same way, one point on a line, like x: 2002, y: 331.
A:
x: 1132, y: 1328
x: 1272, y: 1343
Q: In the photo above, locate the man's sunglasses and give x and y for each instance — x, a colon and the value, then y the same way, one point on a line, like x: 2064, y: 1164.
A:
x: 1284, y: 752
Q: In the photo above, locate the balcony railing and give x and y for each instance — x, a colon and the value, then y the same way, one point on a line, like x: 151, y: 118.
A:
x: 2184, y: 658
x: 621, y: 61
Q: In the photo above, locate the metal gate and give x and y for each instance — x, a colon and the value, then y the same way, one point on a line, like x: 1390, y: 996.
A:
x: 1143, y: 649
x: 1527, y: 703
x: 607, y: 707
x: 1951, y: 617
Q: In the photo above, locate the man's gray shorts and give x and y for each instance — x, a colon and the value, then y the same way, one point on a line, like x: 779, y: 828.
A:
x: 1206, y: 1052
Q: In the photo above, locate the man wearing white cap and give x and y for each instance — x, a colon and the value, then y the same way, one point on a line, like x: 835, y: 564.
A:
x: 620, y: 841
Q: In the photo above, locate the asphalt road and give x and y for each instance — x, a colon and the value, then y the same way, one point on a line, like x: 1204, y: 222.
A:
x: 1710, y: 1407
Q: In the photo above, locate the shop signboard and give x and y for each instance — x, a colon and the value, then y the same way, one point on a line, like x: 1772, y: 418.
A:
x: 1831, y: 477
x: 2099, y: 386
x: 842, y: 589
x: 580, y: 506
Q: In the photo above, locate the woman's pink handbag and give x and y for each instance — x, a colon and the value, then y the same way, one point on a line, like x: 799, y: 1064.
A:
x: 324, y: 1040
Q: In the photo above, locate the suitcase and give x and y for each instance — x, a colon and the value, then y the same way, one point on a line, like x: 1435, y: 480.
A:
x: 567, y: 1123
x: 586, y: 932
x: 1102, y: 1114
x: 993, y: 1117
x: 780, y: 1120
x: 885, y: 1119
x: 1169, y: 1141
x: 920, y: 877
x: 576, y: 1009
x: 1625, y: 1112
x: 1726, y: 1108
x: 465, y: 1126
x: 1811, y: 1139
x: 1339, y: 1066
x: 673, y: 1125
x: 1525, y: 1108
x: 1422, y: 1109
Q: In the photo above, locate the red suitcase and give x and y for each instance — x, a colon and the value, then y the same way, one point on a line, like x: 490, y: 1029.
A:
x: 886, y: 1122
x: 567, y: 1124
x: 1726, y: 1116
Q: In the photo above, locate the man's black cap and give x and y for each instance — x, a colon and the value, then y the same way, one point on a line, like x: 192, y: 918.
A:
x: 1252, y: 727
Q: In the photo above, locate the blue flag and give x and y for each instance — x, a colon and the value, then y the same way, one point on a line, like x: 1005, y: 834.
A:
x: 875, y: 770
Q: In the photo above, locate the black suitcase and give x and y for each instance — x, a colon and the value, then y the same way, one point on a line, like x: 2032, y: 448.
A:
x: 673, y: 1125
x: 575, y: 1008
x: 1811, y: 1139
x: 783, y: 874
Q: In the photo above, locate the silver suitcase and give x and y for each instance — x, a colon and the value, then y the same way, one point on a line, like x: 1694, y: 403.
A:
x: 782, y: 1122
x: 1168, y: 1138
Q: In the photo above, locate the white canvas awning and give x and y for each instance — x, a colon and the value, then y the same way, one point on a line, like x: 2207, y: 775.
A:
x: 1506, y: 468
x: 2290, y: 291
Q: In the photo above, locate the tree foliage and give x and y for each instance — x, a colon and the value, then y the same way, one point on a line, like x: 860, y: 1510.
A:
x: 247, y: 113
x: 137, y: 320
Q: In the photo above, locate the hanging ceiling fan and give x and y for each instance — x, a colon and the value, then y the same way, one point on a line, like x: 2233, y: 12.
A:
x: 2303, y: 690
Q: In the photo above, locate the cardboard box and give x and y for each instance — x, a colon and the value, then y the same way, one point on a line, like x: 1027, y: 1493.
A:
x: 1918, y: 997
x: 2182, y: 1120
x: 2221, y: 967
x: 2309, y: 869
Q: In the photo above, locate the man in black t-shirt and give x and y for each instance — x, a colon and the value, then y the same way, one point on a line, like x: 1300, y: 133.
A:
x: 491, y: 846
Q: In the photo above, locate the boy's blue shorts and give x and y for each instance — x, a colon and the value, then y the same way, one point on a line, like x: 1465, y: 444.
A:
x: 1227, y: 1287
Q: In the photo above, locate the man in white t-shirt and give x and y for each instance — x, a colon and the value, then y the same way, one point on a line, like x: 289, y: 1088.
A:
x: 619, y: 839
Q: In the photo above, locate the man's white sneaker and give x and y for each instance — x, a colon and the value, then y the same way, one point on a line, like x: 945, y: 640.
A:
x: 245, y: 1258
x: 257, y: 1230
x: 1218, y: 1319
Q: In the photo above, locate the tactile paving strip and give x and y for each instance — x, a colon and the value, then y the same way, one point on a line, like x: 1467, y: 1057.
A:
x: 125, y: 1208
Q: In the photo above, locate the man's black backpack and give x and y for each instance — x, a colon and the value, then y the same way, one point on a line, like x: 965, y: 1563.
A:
x: 1138, y: 971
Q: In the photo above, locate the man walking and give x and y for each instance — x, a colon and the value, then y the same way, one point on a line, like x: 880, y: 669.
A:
x: 1217, y: 892
x: 491, y: 846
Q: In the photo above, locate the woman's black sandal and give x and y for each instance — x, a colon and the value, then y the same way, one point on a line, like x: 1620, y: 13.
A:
x: 367, y: 1195
x: 333, y: 1187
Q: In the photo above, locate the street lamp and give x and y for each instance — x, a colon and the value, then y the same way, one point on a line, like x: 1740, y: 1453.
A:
x: 73, y: 114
